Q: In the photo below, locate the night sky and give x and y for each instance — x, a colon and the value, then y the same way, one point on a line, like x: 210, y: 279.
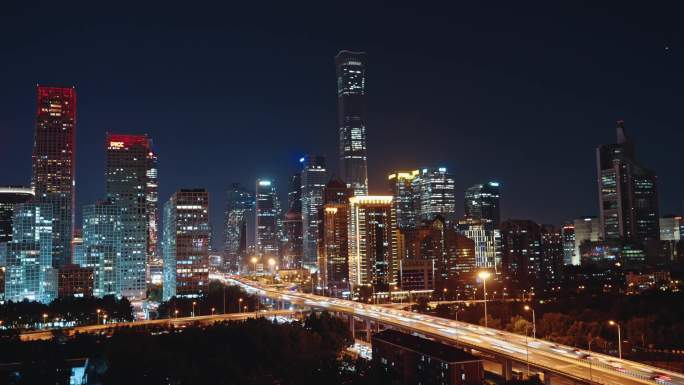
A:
x: 521, y: 94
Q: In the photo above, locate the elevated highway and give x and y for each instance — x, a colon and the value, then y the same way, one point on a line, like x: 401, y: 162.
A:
x: 565, y: 363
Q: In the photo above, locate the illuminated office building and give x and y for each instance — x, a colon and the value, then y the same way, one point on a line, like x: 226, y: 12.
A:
x: 131, y: 185
x: 77, y: 251
x: 434, y: 194
x: 186, y: 244
x: 53, y: 163
x: 314, y: 177
x: 240, y: 205
x: 487, y: 242
x: 628, y: 195
x: 333, y: 237
x: 570, y: 256
x: 102, y: 243
x: 552, y: 253
x: 372, y: 242
x: 268, y: 231
x: 401, y: 188
x: 351, y: 113
x: 10, y: 196
x: 29, y: 273
x: 587, y: 229
x: 482, y: 202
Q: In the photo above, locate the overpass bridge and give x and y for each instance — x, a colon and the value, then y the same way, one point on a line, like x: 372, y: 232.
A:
x: 166, y: 322
x: 557, y: 363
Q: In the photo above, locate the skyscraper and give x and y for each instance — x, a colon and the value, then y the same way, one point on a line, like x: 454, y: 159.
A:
x: 628, y: 195
x: 434, y: 191
x: 372, y: 242
x: 313, y: 182
x: 569, y: 255
x: 351, y: 118
x: 186, y: 243
x: 10, y: 196
x: 482, y: 202
x: 54, y: 163
x: 267, y: 221
x: 29, y: 273
x: 401, y: 188
x: 240, y: 204
x: 333, y: 237
x: 292, y: 223
x: 102, y: 232
x: 152, y: 207
x: 552, y: 254
x: 131, y: 186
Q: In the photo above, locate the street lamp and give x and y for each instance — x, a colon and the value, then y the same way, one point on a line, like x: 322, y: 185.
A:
x: 254, y: 262
x: 176, y: 313
x: 613, y: 323
x: 213, y: 309
x: 271, y: 264
x: 193, y: 308
x: 240, y: 305
x: 534, y: 321
x: 483, y: 276
x: 44, y: 318
x: 98, y: 315
x: 105, y: 319
x: 444, y: 291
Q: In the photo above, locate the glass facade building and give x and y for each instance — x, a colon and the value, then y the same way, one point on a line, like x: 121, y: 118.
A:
x: 434, y: 191
x: 401, y: 187
x: 102, y: 243
x: 351, y: 113
x: 587, y: 229
x: 314, y: 178
x: 29, y: 273
x: 268, y: 222
x: 239, y: 205
x: 53, y: 163
x: 628, y: 196
x: 487, y: 242
x: 482, y: 202
x: 186, y: 244
x: 130, y: 163
x: 10, y: 196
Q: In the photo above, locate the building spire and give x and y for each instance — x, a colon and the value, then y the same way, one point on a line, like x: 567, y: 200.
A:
x: 621, y: 134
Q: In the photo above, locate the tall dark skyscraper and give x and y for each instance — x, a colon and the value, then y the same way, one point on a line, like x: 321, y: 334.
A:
x: 10, y: 196
x: 292, y: 224
x: 482, y: 202
x: 351, y: 118
x: 434, y: 192
x: 130, y: 162
x: 239, y: 206
x: 628, y: 195
x: 54, y: 163
x: 314, y: 178
x: 405, y: 202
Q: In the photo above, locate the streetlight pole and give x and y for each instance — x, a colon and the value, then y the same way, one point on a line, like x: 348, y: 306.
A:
x: 193, y: 308
x: 534, y: 321
x: 613, y: 323
x: 240, y: 305
x: 483, y: 276
x: 527, y: 351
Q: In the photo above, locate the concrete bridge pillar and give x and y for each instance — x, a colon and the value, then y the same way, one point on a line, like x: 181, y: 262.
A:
x: 352, y: 326
x: 368, y: 330
x: 547, y: 378
x: 507, y: 369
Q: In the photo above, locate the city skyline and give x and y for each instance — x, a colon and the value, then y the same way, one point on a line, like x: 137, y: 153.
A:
x: 139, y: 115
